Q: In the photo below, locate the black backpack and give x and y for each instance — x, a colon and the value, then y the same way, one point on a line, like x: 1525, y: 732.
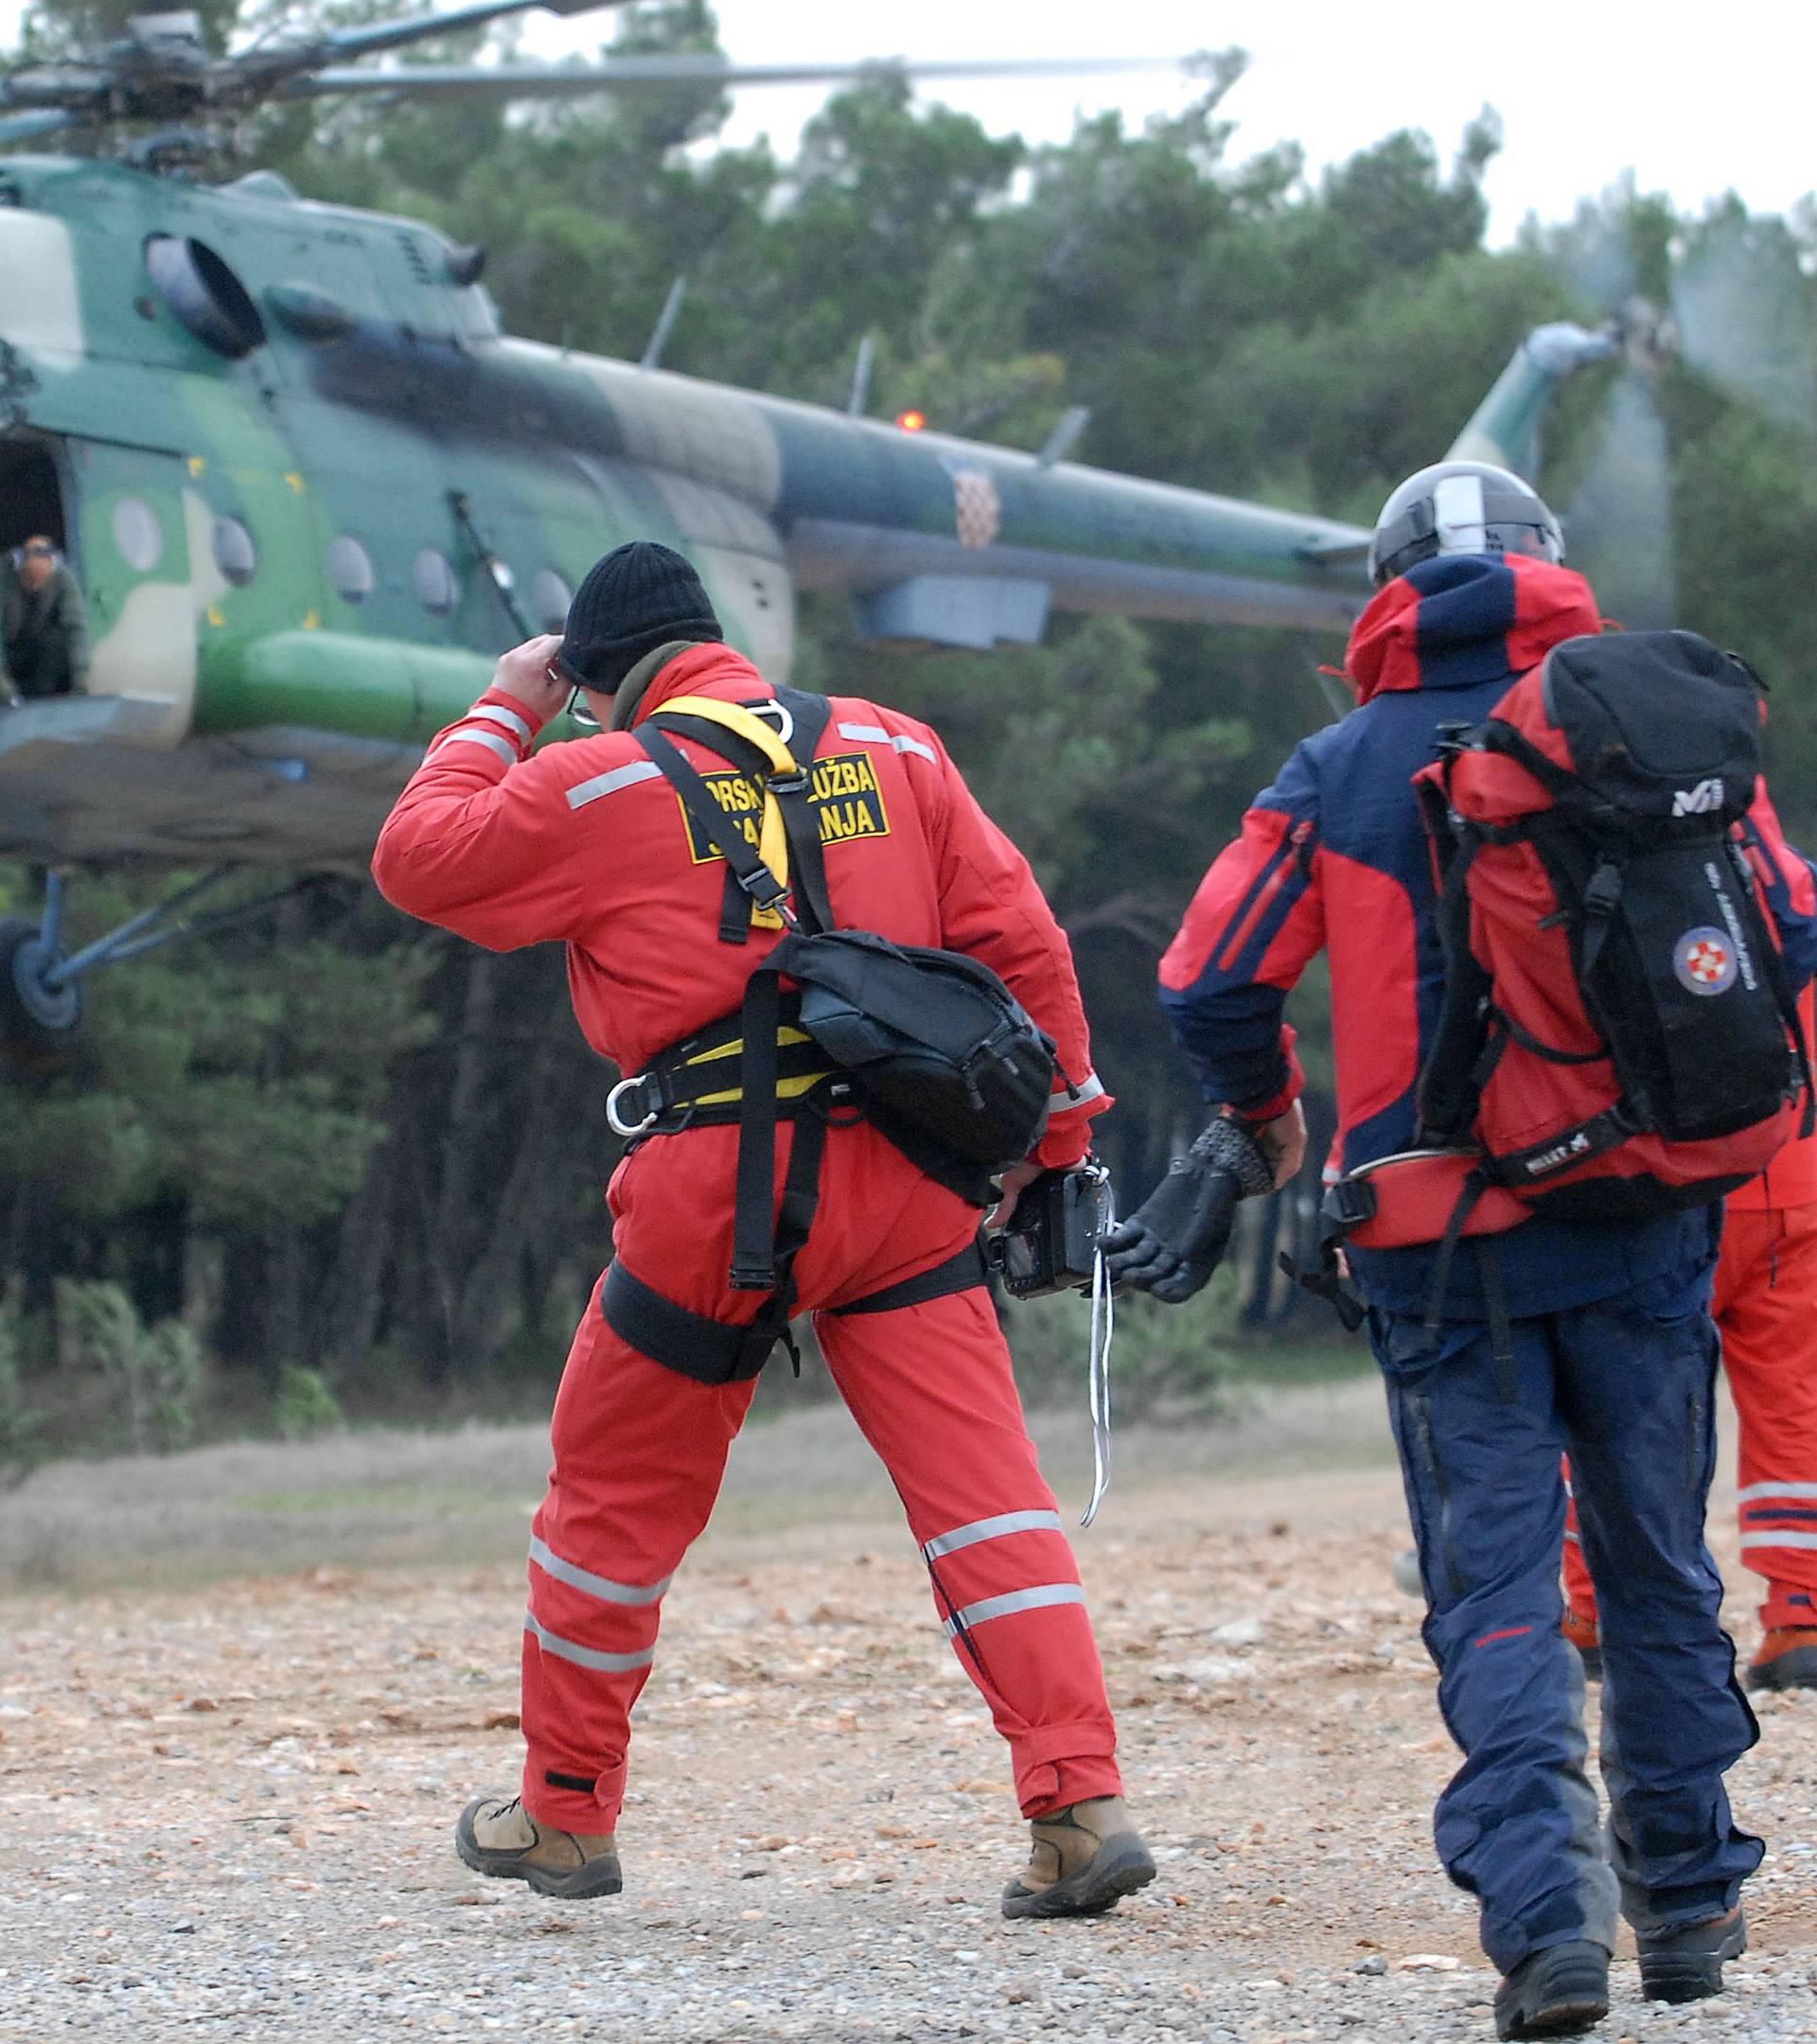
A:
x: 1618, y: 1032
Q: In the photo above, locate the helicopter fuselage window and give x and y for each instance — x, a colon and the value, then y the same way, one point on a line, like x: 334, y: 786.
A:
x: 204, y: 295
x: 436, y: 588
x: 138, y: 535
x: 234, y: 554
x: 549, y: 599
x: 350, y: 569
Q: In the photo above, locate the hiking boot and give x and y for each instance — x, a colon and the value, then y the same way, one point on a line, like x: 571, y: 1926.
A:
x: 1561, y: 1990
x: 497, y: 1835
x: 1787, y: 1660
x: 1585, y: 1635
x: 1085, y: 1859
x: 1687, y: 1964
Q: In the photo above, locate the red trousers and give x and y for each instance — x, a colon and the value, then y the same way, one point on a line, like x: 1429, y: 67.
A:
x: 1766, y: 1307
x: 640, y: 1451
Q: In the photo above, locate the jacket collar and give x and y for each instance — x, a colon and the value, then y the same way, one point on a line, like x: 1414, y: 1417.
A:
x: 1464, y: 618
x: 709, y: 669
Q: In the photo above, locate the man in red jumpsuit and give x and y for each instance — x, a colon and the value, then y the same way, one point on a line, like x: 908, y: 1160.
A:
x: 586, y: 843
x: 1766, y: 1307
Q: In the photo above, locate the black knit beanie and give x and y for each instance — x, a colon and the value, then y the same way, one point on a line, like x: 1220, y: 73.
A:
x: 636, y: 599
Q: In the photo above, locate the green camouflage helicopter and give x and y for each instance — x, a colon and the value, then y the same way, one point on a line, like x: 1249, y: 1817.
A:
x: 311, y: 489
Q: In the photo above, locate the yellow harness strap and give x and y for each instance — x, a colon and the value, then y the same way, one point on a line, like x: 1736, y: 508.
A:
x: 772, y: 841
x: 786, y: 1088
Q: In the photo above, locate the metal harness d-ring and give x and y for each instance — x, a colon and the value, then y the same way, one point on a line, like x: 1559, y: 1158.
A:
x: 631, y: 1131
x: 775, y: 708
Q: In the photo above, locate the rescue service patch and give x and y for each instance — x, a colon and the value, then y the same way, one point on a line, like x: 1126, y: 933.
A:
x: 1704, y: 961
x: 843, y: 793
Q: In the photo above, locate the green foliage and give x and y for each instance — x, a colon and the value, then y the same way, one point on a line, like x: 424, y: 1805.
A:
x: 154, y: 1375
x: 170, y: 1368
x: 337, y: 1149
x: 62, y: 28
x: 1166, y: 1361
x: 20, y: 1421
x: 305, y: 1407
x: 96, y: 1330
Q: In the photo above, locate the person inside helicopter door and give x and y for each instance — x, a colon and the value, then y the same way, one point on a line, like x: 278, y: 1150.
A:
x: 44, y: 623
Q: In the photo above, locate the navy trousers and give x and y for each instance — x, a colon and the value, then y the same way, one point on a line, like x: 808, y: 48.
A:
x: 1625, y: 1385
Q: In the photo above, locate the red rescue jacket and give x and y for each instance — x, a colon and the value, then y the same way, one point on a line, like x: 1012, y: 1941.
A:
x: 585, y: 844
x: 1333, y: 856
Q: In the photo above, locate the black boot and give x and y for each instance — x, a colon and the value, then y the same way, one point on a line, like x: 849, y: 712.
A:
x: 1687, y: 1964
x: 1559, y: 1990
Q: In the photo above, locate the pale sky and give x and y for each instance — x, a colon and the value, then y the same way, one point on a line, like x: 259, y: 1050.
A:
x: 1693, y: 102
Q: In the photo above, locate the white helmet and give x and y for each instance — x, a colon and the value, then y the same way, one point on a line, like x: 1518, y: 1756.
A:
x: 1461, y: 507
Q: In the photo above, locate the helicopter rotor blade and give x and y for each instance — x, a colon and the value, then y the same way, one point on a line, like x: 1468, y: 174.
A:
x: 1618, y: 529
x: 1594, y: 253
x: 412, y: 28
x: 1738, y: 307
x: 29, y: 126
x: 643, y: 74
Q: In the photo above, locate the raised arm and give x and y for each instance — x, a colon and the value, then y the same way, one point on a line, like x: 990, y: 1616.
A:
x: 481, y: 840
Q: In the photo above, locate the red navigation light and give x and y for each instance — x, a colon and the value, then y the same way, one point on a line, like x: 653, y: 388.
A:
x: 912, y: 421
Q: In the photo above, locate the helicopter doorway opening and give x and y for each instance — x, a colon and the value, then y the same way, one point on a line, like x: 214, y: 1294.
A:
x: 32, y: 495
x: 44, y: 629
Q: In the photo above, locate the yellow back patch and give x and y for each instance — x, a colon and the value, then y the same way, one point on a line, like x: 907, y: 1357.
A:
x: 843, y: 793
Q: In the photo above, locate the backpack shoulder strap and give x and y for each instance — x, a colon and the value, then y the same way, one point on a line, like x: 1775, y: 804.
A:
x: 1464, y: 1044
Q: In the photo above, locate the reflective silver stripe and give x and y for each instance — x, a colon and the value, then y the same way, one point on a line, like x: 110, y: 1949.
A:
x: 1571, y: 1536
x: 876, y: 734
x: 610, y: 783
x: 1063, y: 1100
x: 491, y: 740
x: 499, y: 714
x: 1458, y: 510
x: 608, y: 1663
x: 1011, y: 1602
x: 983, y: 1529
x: 1779, y: 1539
x: 602, y: 1587
x: 1776, y: 1489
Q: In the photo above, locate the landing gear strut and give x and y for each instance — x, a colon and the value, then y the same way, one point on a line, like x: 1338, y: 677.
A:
x: 40, y: 991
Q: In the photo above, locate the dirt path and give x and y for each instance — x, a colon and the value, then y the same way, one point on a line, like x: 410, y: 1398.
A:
x: 226, y: 1809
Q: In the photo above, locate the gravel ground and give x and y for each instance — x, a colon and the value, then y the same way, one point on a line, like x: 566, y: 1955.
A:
x: 228, y: 1809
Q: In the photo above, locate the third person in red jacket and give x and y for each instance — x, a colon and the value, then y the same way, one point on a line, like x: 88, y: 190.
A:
x: 1766, y: 1309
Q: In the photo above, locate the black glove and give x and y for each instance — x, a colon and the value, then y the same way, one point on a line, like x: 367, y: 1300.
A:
x: 1173, y: 1241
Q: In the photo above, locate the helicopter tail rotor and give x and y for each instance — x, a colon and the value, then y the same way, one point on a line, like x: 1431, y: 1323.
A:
x: 1618, y: 525
x: 1742, y: 318
x: 1734, y: 314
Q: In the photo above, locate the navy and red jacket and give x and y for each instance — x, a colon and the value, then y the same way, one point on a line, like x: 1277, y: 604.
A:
x: 1333, y: 857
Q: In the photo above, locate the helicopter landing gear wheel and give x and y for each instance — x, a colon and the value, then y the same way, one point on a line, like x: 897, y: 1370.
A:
x: 39, y: 1023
